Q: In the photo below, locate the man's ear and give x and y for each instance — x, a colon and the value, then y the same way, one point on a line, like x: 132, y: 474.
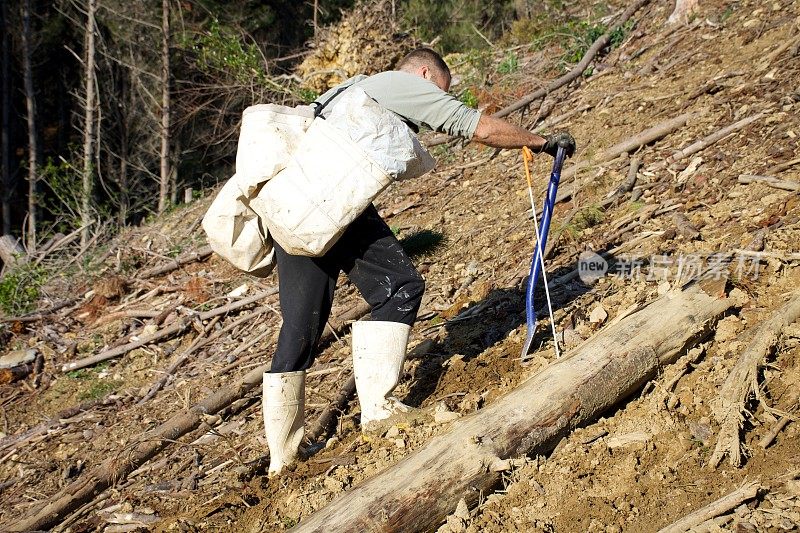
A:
x: 425, y: 72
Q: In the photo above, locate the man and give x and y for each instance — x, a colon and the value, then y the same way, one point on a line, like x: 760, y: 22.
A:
x: 371, y: 256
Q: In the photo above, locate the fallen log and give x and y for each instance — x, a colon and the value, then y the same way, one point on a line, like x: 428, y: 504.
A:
x: 420, y: 491
x: 743, y: 381
x: 15, y: 373
x: 328, y: 416
x: 41, y: 315
x: 116, y: 468
x: 55, y: 245
x: 60, y: 419
x: 627, y: 185
x: 185, y: 259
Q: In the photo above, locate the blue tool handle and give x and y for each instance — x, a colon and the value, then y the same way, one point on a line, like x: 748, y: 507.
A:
x: 544, y: 226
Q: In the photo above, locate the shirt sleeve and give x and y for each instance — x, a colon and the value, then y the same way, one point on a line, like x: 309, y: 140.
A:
x: 422, y: 103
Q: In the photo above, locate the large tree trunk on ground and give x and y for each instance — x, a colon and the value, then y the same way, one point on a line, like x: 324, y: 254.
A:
x: 418, y: 493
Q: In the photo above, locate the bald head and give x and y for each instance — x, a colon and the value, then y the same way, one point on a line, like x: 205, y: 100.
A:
x: 427, y: 64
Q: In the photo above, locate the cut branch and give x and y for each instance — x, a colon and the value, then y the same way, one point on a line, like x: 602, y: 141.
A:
x: 185, y: 259
x: 704, y: 143
x: 771, y: 181
x: 328, y: 416
x: 181, y: 324
x: 420, y: 491
x: 716, y: 508
x: 631, y: 144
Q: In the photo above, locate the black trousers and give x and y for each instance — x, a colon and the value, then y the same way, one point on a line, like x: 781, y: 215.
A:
x: 371, y: 256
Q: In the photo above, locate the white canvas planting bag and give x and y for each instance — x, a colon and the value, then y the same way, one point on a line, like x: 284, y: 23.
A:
x: 339, y: 167
x: 268, y: 135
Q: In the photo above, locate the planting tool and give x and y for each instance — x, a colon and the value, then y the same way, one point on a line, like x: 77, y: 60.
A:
x: 537, y: 265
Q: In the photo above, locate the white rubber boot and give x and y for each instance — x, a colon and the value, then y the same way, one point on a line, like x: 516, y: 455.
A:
x: 379, y: 350
x: 283, y: 403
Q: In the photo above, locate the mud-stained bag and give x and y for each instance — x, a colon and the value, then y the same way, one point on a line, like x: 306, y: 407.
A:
x: 268, y: 135
x: 337, y: 170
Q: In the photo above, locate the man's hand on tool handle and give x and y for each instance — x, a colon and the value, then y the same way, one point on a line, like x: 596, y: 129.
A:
x: 561, y: 139
x: 499, y: 133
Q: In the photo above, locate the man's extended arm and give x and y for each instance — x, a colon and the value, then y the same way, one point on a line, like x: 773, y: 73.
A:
x: 499, y: 133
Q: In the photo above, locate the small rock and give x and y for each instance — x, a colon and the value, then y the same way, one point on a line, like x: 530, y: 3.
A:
x: 442, y: 414
x: 332, y: 484
x: 742, y: 511
x: 422, y: 349
x: 149, y: 329
x: 393, y: 432
x: 701, y: 430
x: 462, y: 511
x: 400, y: 443
x: 570, y: 338
x: 619, y: 441
x: 239, y: 291
x: 793, y: 487
x: 445, y: 416
x: 792, y: 330
x: 728, y: 328
x: 598, y: 315
x: 455, y: 524
x: 663, y: 288
x: 18, y: 357
x: 591, y: 435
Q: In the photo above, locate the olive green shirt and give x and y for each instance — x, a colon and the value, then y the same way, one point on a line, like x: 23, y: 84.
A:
x: 419, y: 102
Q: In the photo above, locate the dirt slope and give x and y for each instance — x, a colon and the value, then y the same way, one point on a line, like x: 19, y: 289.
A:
x: 638, y: 469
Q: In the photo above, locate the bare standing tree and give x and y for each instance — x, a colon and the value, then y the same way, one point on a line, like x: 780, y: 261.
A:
x: 165, y: 122
x: 88, y: 123
x: 5, y: 129
x: 30, y: 104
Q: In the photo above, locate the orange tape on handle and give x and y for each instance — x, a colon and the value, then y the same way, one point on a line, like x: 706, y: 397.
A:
x: 527, y: 157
